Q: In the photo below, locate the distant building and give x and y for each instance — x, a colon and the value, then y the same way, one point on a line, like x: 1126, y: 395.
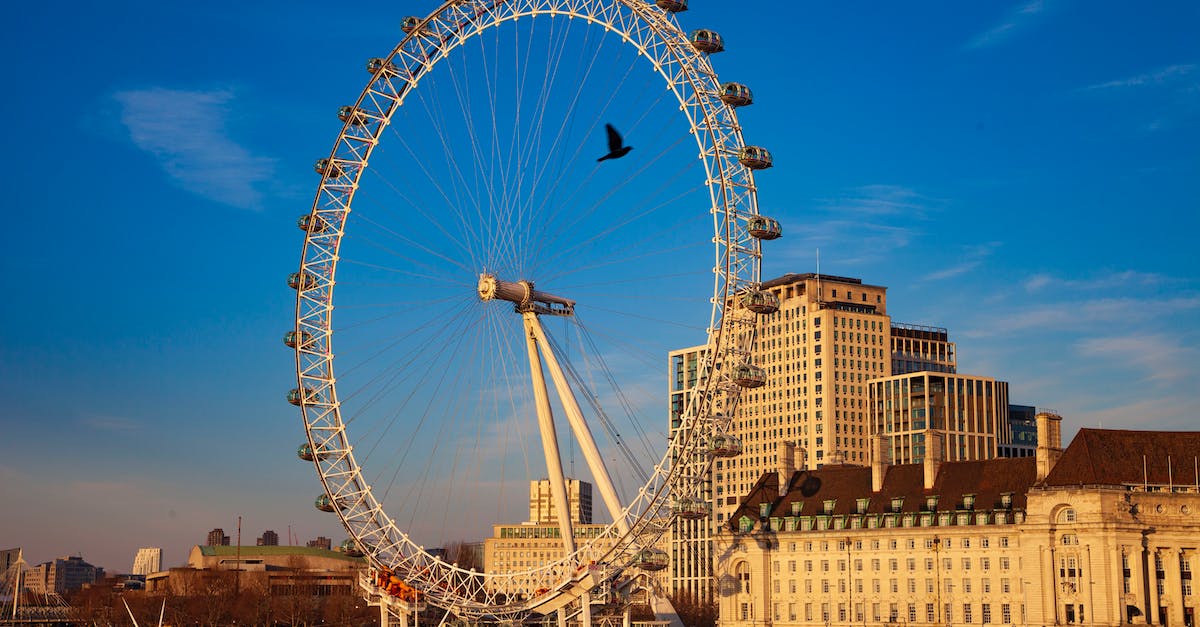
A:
x: 217, y: 537
x: 321, y: 542
x: 62, y: 575
x: 965, y: 416
x: 269, y: 538
x: 148, y: 560
x: 579, y: 502
x: 1022, y: 432
x: 265, y: 569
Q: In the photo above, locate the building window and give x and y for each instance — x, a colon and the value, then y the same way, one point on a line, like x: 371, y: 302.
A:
x: 929, y: 613
x: 743, y: 575
x: 1006, y: 613
x: 967, y: 613
x: 987, y: 613
x: 1067, y: 515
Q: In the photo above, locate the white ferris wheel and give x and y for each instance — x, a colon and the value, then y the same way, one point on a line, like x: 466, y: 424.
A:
x: 505, y: 301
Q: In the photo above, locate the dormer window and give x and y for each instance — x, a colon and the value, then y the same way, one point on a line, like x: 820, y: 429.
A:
x: 861, y: 505
x: 1006, y: 500
x: 764, y: 510
x: 829, y: 504
x: 968, y: 501
x: 796, y: 507
x: 897, y: 503
x: 931, y: 503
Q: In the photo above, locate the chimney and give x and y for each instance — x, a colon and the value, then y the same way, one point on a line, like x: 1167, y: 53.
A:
x: 881, y: 457
x: 1049, y: 443
x: 935, y: 454
x: 787, y: 466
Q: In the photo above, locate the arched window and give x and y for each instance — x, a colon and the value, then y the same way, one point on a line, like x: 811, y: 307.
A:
x: 742, y: 572
x: 1067, y: 515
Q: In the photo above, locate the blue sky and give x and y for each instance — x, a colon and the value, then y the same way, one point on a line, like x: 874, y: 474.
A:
x: 1025, y: 174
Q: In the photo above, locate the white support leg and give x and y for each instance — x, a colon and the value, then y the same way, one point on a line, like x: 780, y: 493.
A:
x: 587, y: 443
x: 558, y: 488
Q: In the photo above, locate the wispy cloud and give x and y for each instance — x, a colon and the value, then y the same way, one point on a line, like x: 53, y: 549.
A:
x: 1043, y: 281
x: 1157, y: 77
x: 862, y: 225
x: 1162, y: 358
x: 1077, y: 315
x: 186, y: 131
x: 972, y: 257
x: 1017, y: 19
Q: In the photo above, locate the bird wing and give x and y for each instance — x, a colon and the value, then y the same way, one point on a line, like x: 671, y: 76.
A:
x: 614, y: 138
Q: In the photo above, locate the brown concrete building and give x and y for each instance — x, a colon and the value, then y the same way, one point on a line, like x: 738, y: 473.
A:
x: 267, y: 569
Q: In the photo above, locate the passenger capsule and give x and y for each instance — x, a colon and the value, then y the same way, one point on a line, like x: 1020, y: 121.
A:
x: 353, y: 115
x: 651, y: 559
x: 301, y: 281
x: 761, y: 302
x: 755, y: 158
x: 377, y: 65
x: 749, y: 376
x: 763, y: 227
x: 330, y: 167
x: 350, y: 548
x: 312, y: 223
x: 305, y: 452
x: 672, y: 6
x: 409, y: 24
x: 298, y: 398
x: 689, y: 508
x: 298, y: 339
x: 736, y: 95
x: 722, y: 445
x: 708, y: 41
x: 325, y: 504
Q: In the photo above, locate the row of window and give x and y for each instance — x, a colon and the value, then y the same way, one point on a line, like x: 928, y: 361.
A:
x: 892, y: 613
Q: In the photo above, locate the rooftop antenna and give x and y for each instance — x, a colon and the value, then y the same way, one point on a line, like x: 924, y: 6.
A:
x: 820, y: 296
x: 1145, y: 481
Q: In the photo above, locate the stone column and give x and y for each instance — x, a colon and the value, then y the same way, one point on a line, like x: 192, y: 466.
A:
x: 1152, y: 616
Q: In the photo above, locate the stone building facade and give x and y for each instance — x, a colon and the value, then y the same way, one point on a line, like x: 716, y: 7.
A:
x: 1103, y: 533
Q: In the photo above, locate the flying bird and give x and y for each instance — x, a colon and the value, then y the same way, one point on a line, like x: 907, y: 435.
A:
x: 616, y: 149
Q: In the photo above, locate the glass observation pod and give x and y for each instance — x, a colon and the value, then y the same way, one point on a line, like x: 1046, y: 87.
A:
x: 761, y: 302
x: 350, y: 547
x: 672, y: 6
x: 755, y: 158
x: 298, y: 339
x: 305, y: 452
x: 736, y: 95
x: 376, y: 64
x: 312, y: 223
x: 326, y: 504
x: 301, y: 281
x: 691, y: 509
x: 325, y: 165
x: 296, y: 397
x: 749, y: 376
x: 409, y: 24
x: 722, y: 445
x: 651, y: 559
x: 708, y: 41
x: 763, y: 227
x: 353, y: 115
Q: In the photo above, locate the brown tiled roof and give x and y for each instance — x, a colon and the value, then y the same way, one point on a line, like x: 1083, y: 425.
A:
x: 987, y: 480
x: 1115, y: 457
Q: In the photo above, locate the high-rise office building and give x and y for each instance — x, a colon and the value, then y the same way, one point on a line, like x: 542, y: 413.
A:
x: 1022, y: 432
x: 217, y: 537
x: 579, y: 502
x: 967, y: 414
x: 917, y: 348
x: 689, y: 542
x: 830, y: 336
x: 147, y: 560
x: 269, y: 538
x: 61, y: 575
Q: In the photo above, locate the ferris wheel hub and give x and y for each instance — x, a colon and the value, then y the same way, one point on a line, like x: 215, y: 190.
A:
x: 523, y: 296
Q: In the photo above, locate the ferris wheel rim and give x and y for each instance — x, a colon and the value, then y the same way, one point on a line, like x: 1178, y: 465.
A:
x: 323, y: 423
